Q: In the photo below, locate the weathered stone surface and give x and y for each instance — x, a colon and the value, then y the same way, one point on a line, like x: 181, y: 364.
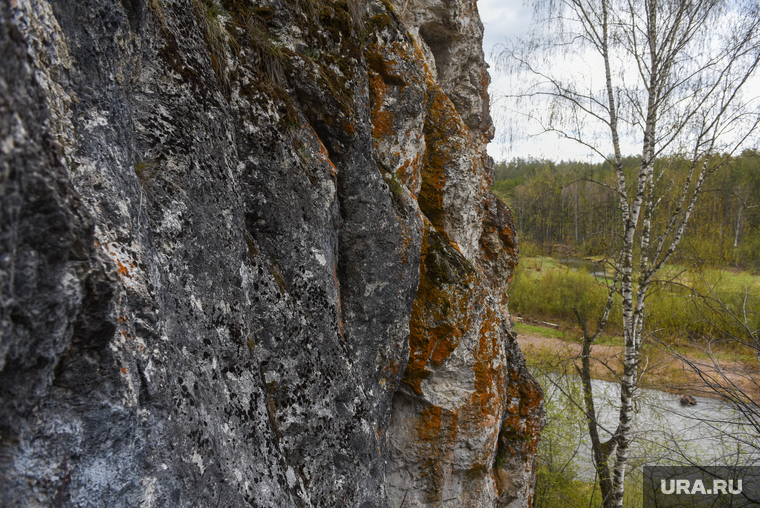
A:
x: 467, y: 416
x: 215, y: 219
x: 450, y: 36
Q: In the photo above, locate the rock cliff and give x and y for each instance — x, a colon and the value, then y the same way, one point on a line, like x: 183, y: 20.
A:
x: 249, y: 258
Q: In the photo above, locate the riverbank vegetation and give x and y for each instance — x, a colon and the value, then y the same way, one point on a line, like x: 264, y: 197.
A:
x: 546, y: 292
x: 550, y: 290
x: 562, y: 479
x: 663, y: 436
x: 569, y: 224
x: 672, y: 85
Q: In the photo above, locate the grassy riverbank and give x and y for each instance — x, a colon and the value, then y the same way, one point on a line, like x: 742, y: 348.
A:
x: 683, y: 319
x: 682, y: 306
x: 554, y: 350
x: 550, y: 341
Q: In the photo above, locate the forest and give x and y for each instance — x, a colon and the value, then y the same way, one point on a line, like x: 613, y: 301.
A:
x: 571, y: 207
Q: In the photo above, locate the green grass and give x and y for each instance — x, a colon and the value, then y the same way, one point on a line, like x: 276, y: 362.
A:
x: 678, y: 314
x: 541, y: 331
x: 564, y: 333
x: 544, y: 289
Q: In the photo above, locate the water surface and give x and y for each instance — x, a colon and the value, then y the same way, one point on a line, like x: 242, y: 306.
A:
x: 665, y: 432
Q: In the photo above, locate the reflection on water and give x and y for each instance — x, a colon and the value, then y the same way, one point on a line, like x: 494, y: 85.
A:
x: 595, y: 268
x: 665, y: 432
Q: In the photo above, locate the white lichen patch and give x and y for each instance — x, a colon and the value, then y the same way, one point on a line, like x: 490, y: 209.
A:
x: 319, y: 256
x: 149, y: 492
x: 196, y: 302
x: 198, y: 461
x: 172, y: 220
x: 96, y: 120
x: 291, y: 476
x: 223, y: 333
x: 371, y: 288
x: 17, y: 136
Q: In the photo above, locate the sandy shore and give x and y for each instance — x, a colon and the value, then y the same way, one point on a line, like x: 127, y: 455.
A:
x: 662, y: 370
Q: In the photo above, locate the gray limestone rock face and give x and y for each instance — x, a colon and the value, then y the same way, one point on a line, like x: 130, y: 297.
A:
x: 216, y: 218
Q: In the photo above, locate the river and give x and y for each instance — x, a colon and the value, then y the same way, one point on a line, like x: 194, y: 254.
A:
x: 665, y: 432
x: 595, y: 268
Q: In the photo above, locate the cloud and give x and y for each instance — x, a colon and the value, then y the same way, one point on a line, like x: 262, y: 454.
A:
x: 583, y: 68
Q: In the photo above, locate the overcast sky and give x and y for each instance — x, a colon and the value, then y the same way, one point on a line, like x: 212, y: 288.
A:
x: 504, y: 19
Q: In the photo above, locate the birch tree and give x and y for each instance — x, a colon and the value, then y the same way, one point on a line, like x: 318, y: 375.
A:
x: 662, y: 77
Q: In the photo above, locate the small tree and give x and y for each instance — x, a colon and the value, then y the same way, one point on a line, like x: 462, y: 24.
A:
x: 670, y: 74
x: 557, y: 482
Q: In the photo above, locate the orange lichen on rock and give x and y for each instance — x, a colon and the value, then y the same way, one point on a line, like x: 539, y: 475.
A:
x: 487, y: 350
x: 441, y: 147
x: 445, y: 328
x: 382, y: 121
x: 440, y: 310
x: 467, y: 414
x: 523, y: 421
x: 479, y: 413
x: 397, y: 98
x: 453, y: 173
x: 446, y: 341
x: 123, y: 271
x: 436, y: 428
x: 498, y: 247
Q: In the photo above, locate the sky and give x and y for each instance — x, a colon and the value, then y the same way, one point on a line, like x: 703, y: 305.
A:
x: 504, y: 19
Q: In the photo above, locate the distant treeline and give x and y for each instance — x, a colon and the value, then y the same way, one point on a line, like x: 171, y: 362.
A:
x: 573, y: 205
